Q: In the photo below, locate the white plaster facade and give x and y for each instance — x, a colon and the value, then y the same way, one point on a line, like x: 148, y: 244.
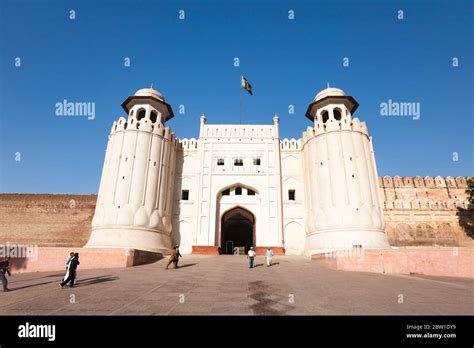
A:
x: 315, y: 194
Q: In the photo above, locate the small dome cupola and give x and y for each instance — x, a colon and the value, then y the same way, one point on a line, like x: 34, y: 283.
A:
x: 148, y: 103
x: 331, y: 104
x: 329, y: 92
x: 149, y: 92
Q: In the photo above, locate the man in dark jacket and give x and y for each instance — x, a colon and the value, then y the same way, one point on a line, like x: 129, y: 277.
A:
x: 178, y: 255
x: 72, y: 271
x: 4, y: 265
x: 174, y: 257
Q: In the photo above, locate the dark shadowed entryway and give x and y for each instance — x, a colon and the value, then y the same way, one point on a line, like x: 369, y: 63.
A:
x: 237, y: 230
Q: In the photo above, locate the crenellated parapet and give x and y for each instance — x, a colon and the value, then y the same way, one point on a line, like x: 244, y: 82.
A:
x: 427, y: 210
x: 426, y: 182
x: 355, y: 126
x: 122, y: 125
x: 290, y: 144
x: 189, y: 144
x: 428, y: 193
x: 238, y: 131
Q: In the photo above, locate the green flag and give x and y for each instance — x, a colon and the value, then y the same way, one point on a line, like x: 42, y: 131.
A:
x: 245, y: 85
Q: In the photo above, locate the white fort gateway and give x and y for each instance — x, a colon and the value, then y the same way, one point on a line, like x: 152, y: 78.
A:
x: 239, y: 185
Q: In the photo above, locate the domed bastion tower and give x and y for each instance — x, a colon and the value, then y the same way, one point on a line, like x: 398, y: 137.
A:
x: 313, y: 195
x: 343, y: 204
x: 134, y: 203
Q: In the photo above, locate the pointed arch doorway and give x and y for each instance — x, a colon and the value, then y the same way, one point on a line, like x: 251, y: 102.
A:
x: 237, y: 230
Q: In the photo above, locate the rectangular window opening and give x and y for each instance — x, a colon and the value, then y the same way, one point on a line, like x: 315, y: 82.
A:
x: 185, y: 195
x: 291, y: 195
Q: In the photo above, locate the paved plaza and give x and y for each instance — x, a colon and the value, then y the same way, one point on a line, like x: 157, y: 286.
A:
x: 223, y: 285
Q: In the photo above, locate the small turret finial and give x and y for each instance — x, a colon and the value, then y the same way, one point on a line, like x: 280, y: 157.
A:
x: 276, y: 119
x: 328, y: 85
x: 151, y: 86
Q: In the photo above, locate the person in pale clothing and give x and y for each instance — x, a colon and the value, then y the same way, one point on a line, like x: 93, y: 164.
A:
x: 71, y: 271
x: 71, y: 255
x: 251, y: 257
x: 68, y: 261
x: 269, y: 255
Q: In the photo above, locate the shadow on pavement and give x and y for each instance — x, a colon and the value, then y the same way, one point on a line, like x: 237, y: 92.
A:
x: 187, y: 265
x: 32, y: 285
x: 95, y: 280
x: 55, y: 275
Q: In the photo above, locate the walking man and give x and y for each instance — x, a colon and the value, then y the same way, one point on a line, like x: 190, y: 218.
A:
x: 71, y: 255
x: 173, y: 258
x: 68, y: 261
x: 269, y: 256
x: 178, y: 255
x: 4, y: 265
x: 251, y: 257
x: 72, y: 271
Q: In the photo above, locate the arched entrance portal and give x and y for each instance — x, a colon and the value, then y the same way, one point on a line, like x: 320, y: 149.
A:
x: 237, y: 230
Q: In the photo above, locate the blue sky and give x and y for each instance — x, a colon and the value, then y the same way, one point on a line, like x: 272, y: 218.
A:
x: 190, y: 62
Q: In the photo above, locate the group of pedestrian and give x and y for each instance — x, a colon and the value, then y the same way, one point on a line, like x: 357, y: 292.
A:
x: 175, y: 255
x: 251, y: 256
x: 70, y: 277
x: 71, y: 270
x: 73, y: 261
x: 4, y: 270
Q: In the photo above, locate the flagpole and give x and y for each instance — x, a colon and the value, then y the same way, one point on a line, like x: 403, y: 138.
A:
x: 241, y: 99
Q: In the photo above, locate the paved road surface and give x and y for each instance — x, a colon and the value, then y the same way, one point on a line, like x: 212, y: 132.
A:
x: 224, y: 285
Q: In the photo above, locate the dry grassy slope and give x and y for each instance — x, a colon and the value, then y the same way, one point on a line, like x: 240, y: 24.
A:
x: 46, y: 219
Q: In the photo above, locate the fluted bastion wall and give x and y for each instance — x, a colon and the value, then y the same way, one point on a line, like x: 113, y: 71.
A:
x: 343, y: 204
